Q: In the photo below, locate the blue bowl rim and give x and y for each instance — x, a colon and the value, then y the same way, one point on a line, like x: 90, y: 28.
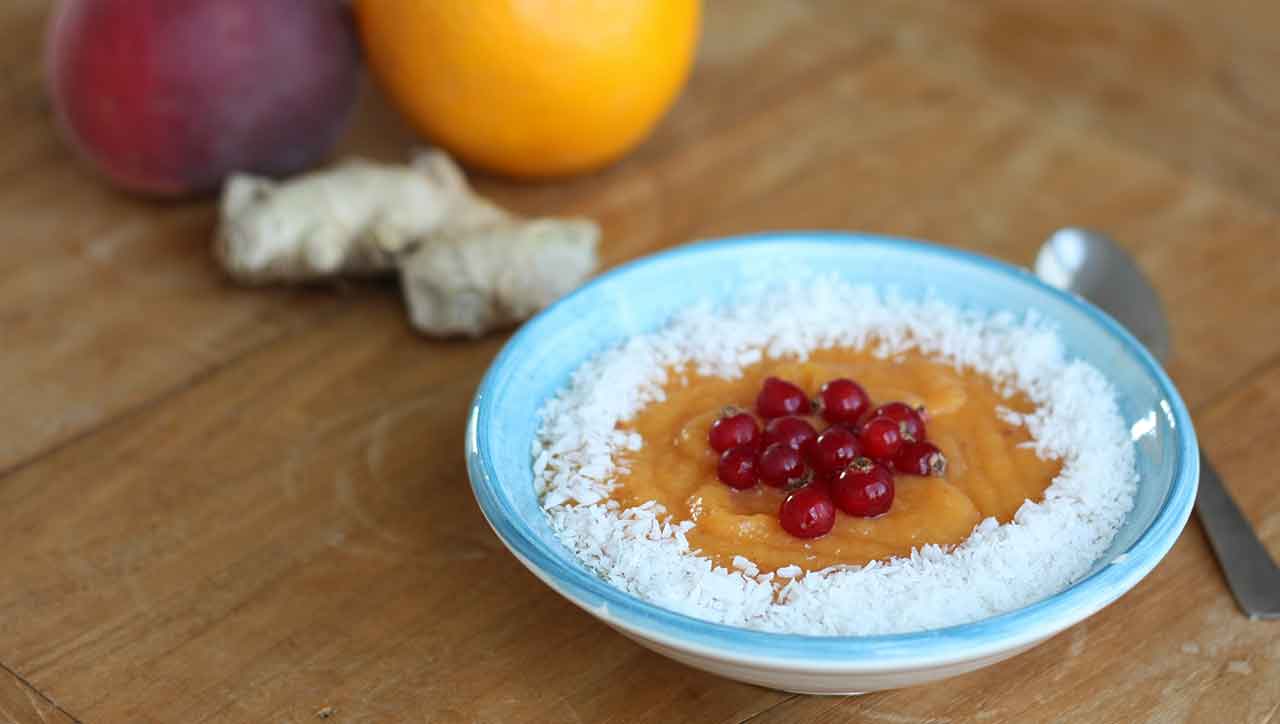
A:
x: 924, y: 649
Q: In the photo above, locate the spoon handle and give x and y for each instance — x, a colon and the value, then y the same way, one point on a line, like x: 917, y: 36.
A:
x: 1252, y: 576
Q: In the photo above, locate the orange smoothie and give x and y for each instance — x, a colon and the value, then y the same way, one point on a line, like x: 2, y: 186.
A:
x: 990, y: 471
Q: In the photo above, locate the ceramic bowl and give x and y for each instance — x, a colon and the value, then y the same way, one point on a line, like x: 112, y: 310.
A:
x: 641, y: 296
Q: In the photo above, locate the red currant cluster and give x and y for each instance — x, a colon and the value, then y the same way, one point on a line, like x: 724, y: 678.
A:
x: 849, y: 465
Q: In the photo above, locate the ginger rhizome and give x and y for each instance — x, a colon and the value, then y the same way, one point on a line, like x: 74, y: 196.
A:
x: 466, y: 266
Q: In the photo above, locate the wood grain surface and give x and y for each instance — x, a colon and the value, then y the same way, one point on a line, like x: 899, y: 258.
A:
x: 229, y: 505
x: 21, y: 704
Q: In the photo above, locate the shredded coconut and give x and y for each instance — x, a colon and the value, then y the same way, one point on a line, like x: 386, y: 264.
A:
x: 642, y: 550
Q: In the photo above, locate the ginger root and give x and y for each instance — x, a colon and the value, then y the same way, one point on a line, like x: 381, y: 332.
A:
x: 495, y: 276
x: 466, y: 266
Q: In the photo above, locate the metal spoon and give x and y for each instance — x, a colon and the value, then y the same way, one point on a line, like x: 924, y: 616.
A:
x: 1093, y: 266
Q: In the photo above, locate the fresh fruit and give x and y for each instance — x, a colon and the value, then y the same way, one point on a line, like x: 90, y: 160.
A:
x: 737, y: 467
x: 780, y: 465
x: 910, y: 419
x: 531, y: 89
x: 791, y: 431
x: 842, y: 401
x: 807, y: 512
x: 864, y: 488
x: 920, y: 458
x: 779, y: 398
x: 851, y: 463
x: 168, y: 98
x: 851, y: 427
x: 734, y: 428
x: 835, y: 448
x: 881, y: 438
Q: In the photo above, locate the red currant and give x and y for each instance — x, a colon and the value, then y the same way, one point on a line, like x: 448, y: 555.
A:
x: 779, y: 398
x: 790, y: 431
x: 734, y: 428
x: 843, y: 401
x: 854, y: 428
x: 807, y: 512
x: 835, y: 448
x: 920, y: 458
x: 737, y: 467
x: 821, y: 483
x: 881, y: 438
x: 911, y: 419
x: 780, y: 465
x: 864, y: 489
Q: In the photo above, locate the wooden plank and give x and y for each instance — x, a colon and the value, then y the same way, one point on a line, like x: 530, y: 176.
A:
x: 294, y: 531
x: 1190, y: 83
x: 20, y: 704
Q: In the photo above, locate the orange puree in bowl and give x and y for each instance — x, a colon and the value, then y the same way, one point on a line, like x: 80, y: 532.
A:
x: 989, y: 472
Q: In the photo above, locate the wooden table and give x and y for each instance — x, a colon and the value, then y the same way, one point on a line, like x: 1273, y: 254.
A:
x: 223, y: 505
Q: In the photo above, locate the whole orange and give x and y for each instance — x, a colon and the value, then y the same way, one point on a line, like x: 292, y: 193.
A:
x: 531, y: 88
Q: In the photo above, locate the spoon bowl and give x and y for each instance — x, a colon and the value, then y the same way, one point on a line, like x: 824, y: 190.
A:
x: 1095, y: 267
